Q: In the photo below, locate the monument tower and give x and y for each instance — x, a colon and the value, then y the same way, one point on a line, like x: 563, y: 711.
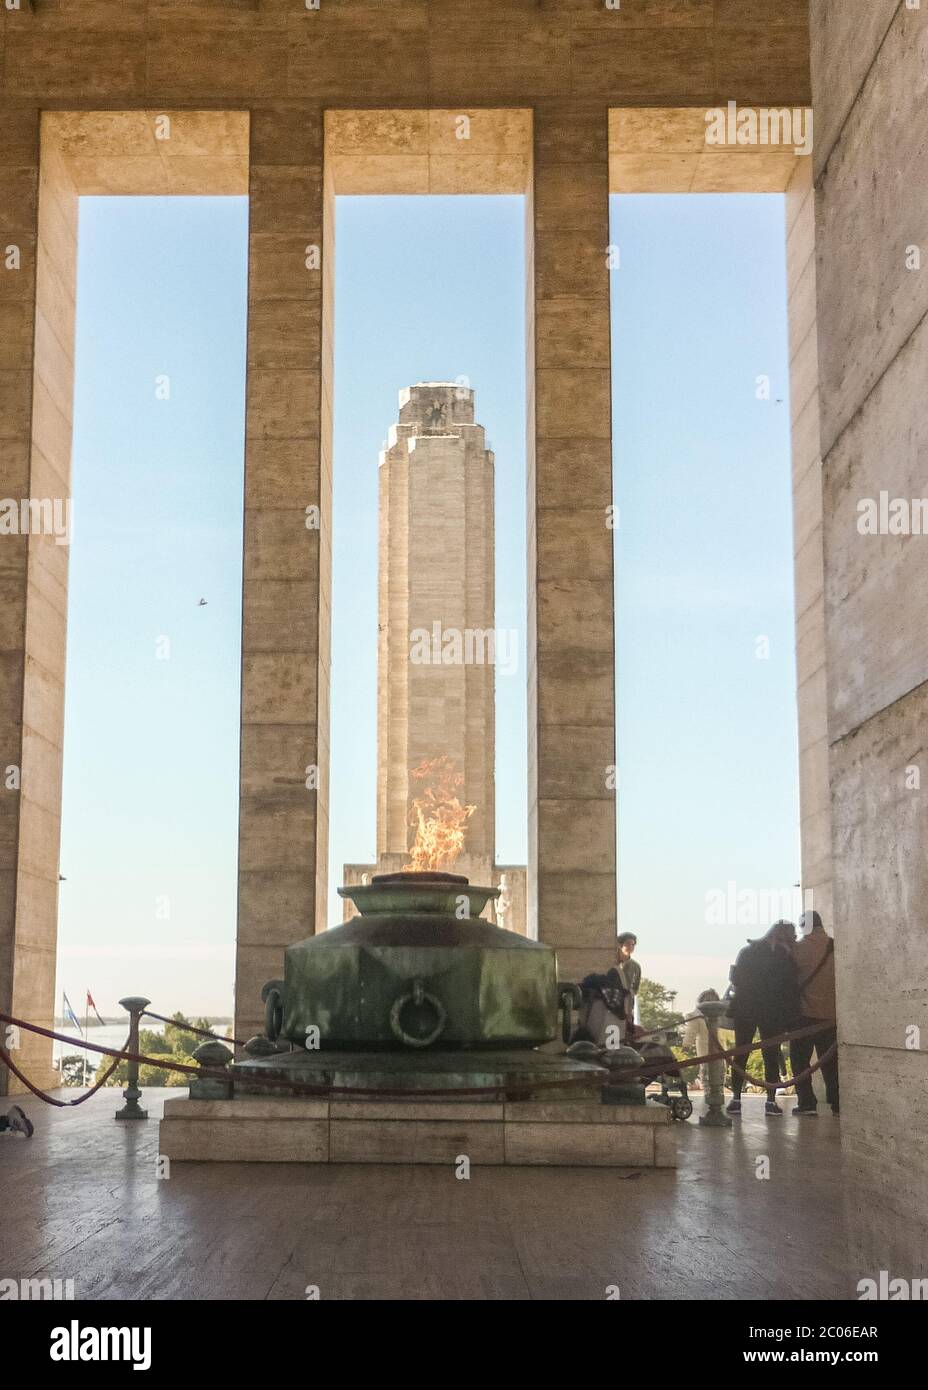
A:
x: 437, y: 644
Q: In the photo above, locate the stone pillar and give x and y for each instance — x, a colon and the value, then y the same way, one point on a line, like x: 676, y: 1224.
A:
x: 571, y: 662
x: 435, y: 565
x: 285, y: 626
x: 868, y: 67
x: 33, y: 567
x: 812, y: 691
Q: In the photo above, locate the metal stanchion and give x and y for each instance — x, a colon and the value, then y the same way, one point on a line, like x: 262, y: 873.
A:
x: 131, y: 1110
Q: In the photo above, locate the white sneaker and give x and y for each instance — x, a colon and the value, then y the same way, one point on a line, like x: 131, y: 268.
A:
x: 20, y: 1122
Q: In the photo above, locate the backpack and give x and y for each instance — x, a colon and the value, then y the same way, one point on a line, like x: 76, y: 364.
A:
x: 602, y: 1007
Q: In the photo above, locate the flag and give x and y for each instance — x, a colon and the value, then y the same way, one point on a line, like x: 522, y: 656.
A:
x: 70, y: 1015
x: 92, y: 1005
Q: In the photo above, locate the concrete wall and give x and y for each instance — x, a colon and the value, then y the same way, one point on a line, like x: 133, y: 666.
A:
x: 869, y: 64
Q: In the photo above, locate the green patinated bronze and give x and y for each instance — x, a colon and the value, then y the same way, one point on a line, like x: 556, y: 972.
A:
x: 134, y: 1006
x: 419, y: 968
x: 517, y: 1074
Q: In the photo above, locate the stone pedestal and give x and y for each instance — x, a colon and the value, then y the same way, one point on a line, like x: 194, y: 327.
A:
x: 512, y: 1133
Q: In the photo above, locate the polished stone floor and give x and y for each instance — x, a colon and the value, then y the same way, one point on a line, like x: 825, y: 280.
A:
x: 81, y: 1200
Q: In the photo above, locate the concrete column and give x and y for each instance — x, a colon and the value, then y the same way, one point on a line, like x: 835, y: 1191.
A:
x: 871, y: 156
x: 812, y: 691
x: 571, y: 628
x: 285, y: 627
x: 32, y: 568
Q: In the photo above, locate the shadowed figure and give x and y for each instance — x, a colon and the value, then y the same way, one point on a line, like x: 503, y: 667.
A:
x: 765, y: 1001
x: 814, y: 954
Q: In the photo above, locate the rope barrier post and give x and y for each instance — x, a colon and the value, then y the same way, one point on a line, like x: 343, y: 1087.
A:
x: 134, y: 1007
x: 210, y: 1056
x: 714, y: 1114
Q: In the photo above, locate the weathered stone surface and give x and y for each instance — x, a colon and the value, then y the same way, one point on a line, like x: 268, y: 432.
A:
x: 237, y: 1141
x: 664, y: 150
x: 881, y: 873
x: 413, y: 1110
x: 415, y: 1141
x: 845, y: 39
x: 872, y: 194
x: 877, y: 645
x: 613, y: 1146
x: 577, y: 1134
x: 870, y: 199
x: 885, y: 1090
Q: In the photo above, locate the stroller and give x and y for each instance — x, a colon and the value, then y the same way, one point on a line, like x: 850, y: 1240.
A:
x: 659, y: 1049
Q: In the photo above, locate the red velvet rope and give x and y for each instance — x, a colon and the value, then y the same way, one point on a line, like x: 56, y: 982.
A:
x: 621, y: 1075
x: 189, y: 1028
x: 43, y: 1095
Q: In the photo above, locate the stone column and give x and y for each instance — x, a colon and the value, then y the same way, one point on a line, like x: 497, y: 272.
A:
x: 812, y: 693
x: 33, y: 567
x: 571, y: 630
x: 868, y: 67
x: 285, y: 628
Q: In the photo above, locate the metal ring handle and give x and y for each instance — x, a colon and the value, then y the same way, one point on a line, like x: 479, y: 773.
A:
x: 273, y: 1013
x: 417, y: 995
x: 569, y: 997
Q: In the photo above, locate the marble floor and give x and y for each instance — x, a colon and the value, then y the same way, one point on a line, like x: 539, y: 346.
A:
x: 82, y: 1201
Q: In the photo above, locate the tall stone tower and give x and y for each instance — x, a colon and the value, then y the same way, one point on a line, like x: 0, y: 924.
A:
x: 436, y: 658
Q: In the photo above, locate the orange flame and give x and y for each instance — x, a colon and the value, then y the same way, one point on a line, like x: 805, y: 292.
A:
x: 439, y: 819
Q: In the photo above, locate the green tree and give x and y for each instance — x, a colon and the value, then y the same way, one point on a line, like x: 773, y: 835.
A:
x: 655, y: 1006
x: 178, y: 1039
x: 152, y: 1042
x: 149, y: 1074
x: 72, y: 1069
x: 175, y: 1044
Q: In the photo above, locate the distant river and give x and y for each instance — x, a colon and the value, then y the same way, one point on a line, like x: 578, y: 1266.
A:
x: 105, y: 1035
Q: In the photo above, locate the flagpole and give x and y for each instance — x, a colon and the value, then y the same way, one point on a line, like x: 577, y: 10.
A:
x: 86, y: 1028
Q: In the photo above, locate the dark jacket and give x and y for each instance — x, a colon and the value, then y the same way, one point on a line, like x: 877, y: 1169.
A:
x: 613, y: 989
x: 766, y: 986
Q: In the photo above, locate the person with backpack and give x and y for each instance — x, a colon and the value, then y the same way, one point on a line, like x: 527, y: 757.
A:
x: 814, y: 954
x: 608, y: 1008
x: 765, y: 1000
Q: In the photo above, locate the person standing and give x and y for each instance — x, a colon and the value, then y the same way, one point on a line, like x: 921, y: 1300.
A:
x: 765, y: 1001
x: 630, y: 974
x: 814, y: 954
x: 696, y: 1036
x: 609, y: 999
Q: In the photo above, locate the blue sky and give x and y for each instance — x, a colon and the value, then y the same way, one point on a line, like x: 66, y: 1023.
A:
x: 706, y: 730
x: 426, y: 289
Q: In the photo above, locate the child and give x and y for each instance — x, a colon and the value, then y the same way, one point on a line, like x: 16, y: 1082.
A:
x: 696, y: 1034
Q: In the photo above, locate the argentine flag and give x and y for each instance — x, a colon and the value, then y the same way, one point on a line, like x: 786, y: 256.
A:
x: 70, y: 1014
